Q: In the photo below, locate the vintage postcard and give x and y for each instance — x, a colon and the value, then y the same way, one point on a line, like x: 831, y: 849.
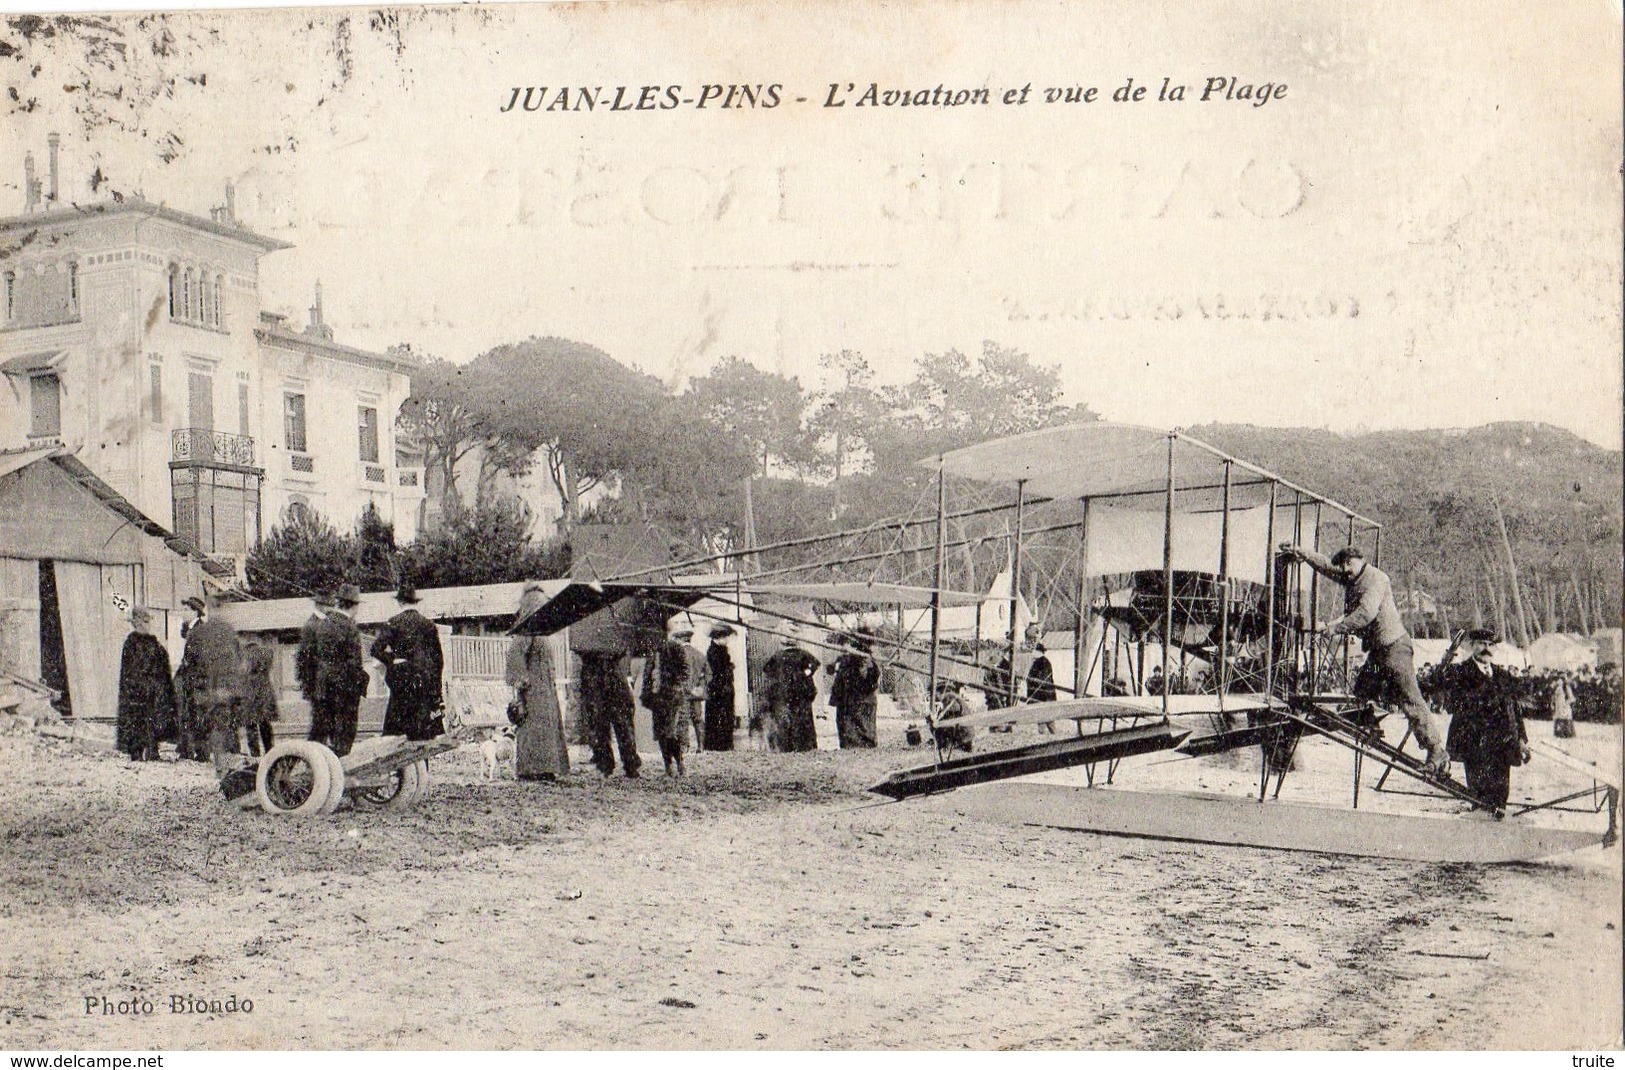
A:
x: 503, y: 506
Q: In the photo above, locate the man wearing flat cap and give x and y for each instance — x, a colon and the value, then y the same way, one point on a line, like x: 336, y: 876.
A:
x: 1389, y: 674
x: 1487, y: 734
x: 409, y: 647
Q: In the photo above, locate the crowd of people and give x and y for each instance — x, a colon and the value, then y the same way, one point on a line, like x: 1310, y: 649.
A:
x: 221, y: 700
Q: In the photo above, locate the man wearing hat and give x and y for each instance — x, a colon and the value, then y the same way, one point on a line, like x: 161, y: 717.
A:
x: 208, y: 676
x: 146, y: 692
x: 338, y: 677
x: 409, y: 647
x: 304, y: 662
x: 1389, y: 673
x: 1487, y: 733
x: 665, y: 694
x: 699, y: 678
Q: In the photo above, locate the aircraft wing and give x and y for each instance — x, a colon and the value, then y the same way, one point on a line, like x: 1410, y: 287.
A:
x: 578, y: 601
x: 1095, y: 708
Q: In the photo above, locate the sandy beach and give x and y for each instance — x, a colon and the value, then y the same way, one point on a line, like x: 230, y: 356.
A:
x: 765, y: 901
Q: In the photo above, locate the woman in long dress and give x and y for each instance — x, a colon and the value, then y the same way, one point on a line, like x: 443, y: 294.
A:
x: 146, y: 691
x: 719, y: 694
x: 539, y: 751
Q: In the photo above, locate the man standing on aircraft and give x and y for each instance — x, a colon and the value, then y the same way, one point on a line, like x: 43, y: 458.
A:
x: 1369, y: 612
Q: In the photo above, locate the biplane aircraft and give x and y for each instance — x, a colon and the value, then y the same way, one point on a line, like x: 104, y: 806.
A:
x: 1178, y: 560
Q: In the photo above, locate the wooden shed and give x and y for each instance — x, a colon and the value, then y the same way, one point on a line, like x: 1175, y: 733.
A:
x: 75, y: 555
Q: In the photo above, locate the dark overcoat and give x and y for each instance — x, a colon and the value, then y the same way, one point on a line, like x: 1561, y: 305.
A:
x: 146, y: 696
x: 409, y: 646
x: 1486, y: 725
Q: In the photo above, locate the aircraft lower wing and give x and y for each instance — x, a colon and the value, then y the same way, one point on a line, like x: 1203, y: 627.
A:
x: 1096, y: 708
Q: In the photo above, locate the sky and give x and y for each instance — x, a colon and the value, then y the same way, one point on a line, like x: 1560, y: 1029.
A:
x: 1419, y: 227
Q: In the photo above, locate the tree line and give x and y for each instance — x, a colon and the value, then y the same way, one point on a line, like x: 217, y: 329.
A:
x: 1513, y: 525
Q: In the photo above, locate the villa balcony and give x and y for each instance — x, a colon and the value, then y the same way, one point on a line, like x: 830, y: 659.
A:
x: 199, y: 445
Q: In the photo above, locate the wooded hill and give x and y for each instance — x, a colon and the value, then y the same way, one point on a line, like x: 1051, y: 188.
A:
x: 1437, y: 494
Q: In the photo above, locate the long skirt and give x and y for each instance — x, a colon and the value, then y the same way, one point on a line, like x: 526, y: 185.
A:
x: 855, y: 724
x: 538, y: 745
x: 790, y: 727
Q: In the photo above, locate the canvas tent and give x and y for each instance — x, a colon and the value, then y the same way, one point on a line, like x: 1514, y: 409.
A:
x: 74, y: 556
x: 1561, y: 653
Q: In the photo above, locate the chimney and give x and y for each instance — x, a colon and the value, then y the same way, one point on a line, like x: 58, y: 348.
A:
x: 231, y: 203
x: 55, y: 142
x: 316, y: 328
x: 30, y: 183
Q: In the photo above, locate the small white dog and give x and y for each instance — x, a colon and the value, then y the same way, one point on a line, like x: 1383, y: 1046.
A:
x: 496, y: 750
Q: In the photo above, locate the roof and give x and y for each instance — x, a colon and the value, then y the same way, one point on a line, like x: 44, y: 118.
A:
x: 437, y: 603
x: 79, y: 474
x: 275, y: 333
x: 138, y: 204
x: 1101, y: 460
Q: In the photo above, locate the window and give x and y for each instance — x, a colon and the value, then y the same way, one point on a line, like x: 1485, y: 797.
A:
x: 155, y: 393
x: 293, y: 421
x: 369, y: 434
x: 11, y: 296
x: 242, y: 409
x: 174, y: 295
x: 73, y: 285
x: 45, y: 405
x: 203, y: 299
x: 216, y: 304
x: 186, y: 295
x: 200, y: 400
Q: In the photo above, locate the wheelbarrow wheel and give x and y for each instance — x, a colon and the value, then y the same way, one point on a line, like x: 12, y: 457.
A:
x: 336, y: 793
x: 295, y: 778
x: 400, y: 789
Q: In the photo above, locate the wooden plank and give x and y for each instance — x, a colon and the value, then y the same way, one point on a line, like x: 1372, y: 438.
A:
x: 1020, y: 761
x: 1244, y: 822
x: 385, y: 754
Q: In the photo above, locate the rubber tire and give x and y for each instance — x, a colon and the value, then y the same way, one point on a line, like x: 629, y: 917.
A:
x: 315, y: 756
x: 411, y: 787
x: 336, y: 793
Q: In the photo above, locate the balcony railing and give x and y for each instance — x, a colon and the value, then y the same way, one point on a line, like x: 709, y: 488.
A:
x: 199, y: 445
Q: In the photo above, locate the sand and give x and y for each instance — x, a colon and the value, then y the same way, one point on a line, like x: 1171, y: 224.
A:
x: 762, y: 902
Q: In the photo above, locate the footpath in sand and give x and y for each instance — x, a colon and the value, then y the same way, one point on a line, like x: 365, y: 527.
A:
x: 759, y: 903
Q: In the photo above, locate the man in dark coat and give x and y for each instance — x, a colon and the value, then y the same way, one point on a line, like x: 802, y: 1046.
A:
x: 256, y: 700
x: 209, y: 675
x: 790, y: 693
x: 338, y: 678
x: 852, y: 691
x: 304, y: 663
x: 665, y: 694
x: 1487, y: 734
x: 719, y: 691
x: 1041, y: 683
x: 607, y: 708
x: 146, y: 692
x: 409, y: 647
